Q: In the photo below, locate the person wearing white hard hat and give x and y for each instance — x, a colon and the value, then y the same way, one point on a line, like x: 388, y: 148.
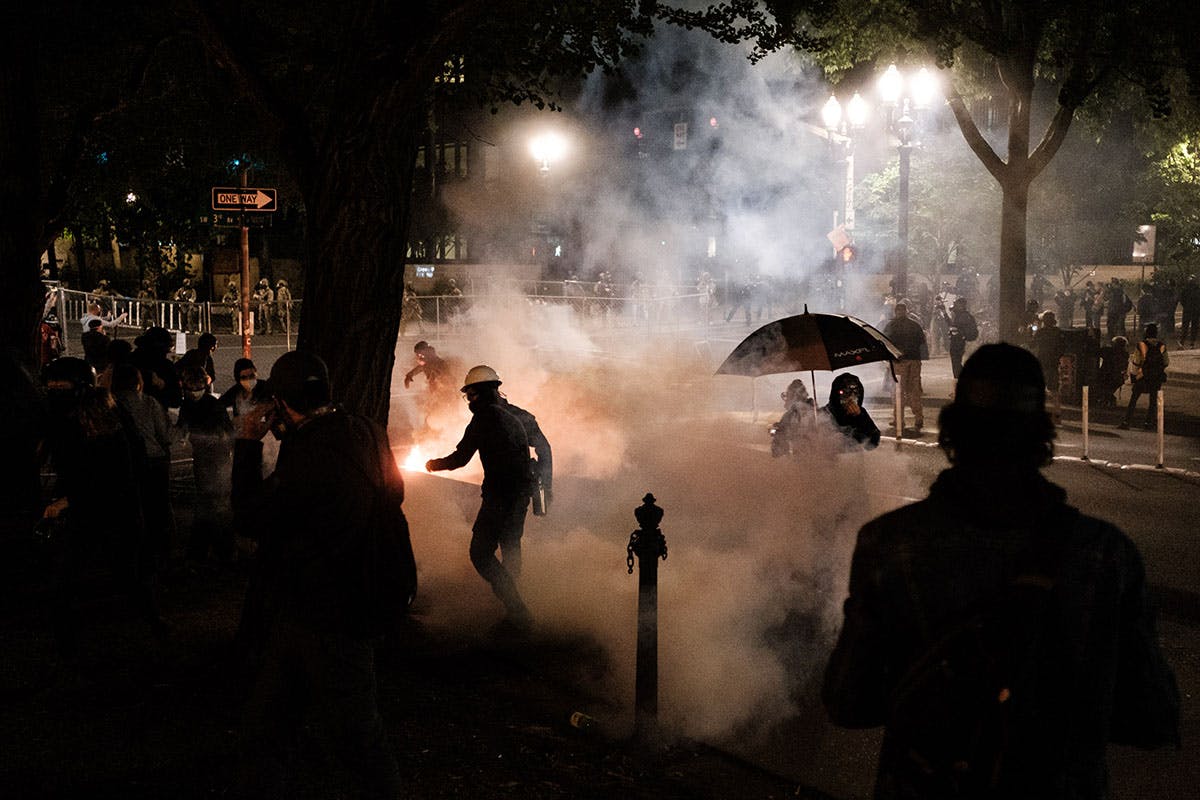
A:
x: 498, y: 432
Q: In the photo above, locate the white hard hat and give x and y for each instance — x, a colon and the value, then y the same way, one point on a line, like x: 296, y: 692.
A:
x: 480, y: 374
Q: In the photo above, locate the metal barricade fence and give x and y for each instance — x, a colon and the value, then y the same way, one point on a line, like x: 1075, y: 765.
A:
x: 194, y: 318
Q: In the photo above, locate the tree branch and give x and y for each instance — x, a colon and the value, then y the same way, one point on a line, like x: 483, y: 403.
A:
x: 970, y: 131
x: 291, y: 126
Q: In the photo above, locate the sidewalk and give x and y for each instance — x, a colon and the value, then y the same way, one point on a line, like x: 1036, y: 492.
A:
x: 1107, y: 443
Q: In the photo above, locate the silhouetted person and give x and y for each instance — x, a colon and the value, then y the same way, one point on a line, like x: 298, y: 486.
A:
x: 306, y: 610
x: 963, y: 329
x: 204, y: 423
x: 160, y: 379
x: 1084, y: 670
x: 95, y: 345
x: 503, y: 446
x: 1189, y: 298
x: 1049, y: 347
x: 96, y: 500
x: 201, y: 356
x: 1113, y: 372
x: 148, y: 420
x: 428, y: 363
x: 21, y: 419
x: 1117, y: 306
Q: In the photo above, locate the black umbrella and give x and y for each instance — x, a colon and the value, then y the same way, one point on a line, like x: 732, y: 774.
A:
x: 808, y: 342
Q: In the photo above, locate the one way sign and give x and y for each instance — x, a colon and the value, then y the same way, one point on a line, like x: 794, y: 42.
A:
x: 235, y: 198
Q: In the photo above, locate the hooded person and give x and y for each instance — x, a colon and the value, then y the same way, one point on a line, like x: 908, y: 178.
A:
x: 788, y: 434
x: 845, y: 409
x: 1058, y: 599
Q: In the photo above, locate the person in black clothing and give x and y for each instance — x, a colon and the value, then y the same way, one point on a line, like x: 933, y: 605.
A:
x: 429, y: 363
x: 963, y: 328
x: 160, y: 379
x: 1113, y: 371
x: 95, y: 345
x: 206, y: 426
x: 1048, y: 346
x: 1189, y: 298
x: 909, y: 337
x: 306, y: 612
x: 248, y: 389
x: 846, y: 410
x: 1096, y: 673
x: 97, y: 504
x: 501, y: 440
x: 201, y: 356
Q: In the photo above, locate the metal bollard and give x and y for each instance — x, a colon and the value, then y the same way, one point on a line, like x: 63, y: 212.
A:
x: 1084, y: 422
x: 1161, y: 438
x: 648, y: 544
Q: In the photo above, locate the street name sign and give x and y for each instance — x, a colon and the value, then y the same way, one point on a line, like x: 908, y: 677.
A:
x: 243, y: 198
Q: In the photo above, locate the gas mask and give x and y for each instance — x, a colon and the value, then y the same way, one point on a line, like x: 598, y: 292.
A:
x: 849, y: 400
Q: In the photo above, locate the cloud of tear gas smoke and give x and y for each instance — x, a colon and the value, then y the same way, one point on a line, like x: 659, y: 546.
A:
x: 722, y: 158
x: 758, y: 547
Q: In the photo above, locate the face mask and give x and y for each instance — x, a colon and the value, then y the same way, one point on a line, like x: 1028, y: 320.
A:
x: 248, y: 383
x: 195, y: 395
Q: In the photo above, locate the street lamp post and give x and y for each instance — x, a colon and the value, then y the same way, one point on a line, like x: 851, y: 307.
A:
x: 841, y: 126
x: 546, y: 148
x: 912, y: 94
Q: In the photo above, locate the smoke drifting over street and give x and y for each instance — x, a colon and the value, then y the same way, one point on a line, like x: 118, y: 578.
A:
x: 717, y: 172
x: 758, y: 547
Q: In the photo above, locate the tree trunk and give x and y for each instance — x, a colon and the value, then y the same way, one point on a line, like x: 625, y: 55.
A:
x: 1013, y: 223
x: 1017, y: 74
x: 358, y: 201
x: 22, y: 198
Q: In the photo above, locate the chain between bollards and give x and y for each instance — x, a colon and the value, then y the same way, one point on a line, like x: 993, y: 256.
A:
x: 649, y: 545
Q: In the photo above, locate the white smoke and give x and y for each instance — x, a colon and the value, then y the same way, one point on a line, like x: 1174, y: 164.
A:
x: 758, y: 547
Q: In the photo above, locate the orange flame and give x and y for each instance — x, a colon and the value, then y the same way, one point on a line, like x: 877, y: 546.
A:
x: 415, y: 461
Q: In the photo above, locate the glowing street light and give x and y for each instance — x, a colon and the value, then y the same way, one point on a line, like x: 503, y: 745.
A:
x: 846, y: 122
x: 909, y: 95
x: 547, y: 147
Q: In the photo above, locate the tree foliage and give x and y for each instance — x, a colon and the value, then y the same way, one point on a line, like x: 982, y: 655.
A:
x: 1004, y: 48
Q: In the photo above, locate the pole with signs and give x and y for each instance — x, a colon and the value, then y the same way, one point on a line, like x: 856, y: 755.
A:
x: 247, y: 325
x: 253, y: 205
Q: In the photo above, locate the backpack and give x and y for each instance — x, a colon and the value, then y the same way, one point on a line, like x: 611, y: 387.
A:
x: 951, y: 713
x: 1154, y: 368
x: 969, y: 328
